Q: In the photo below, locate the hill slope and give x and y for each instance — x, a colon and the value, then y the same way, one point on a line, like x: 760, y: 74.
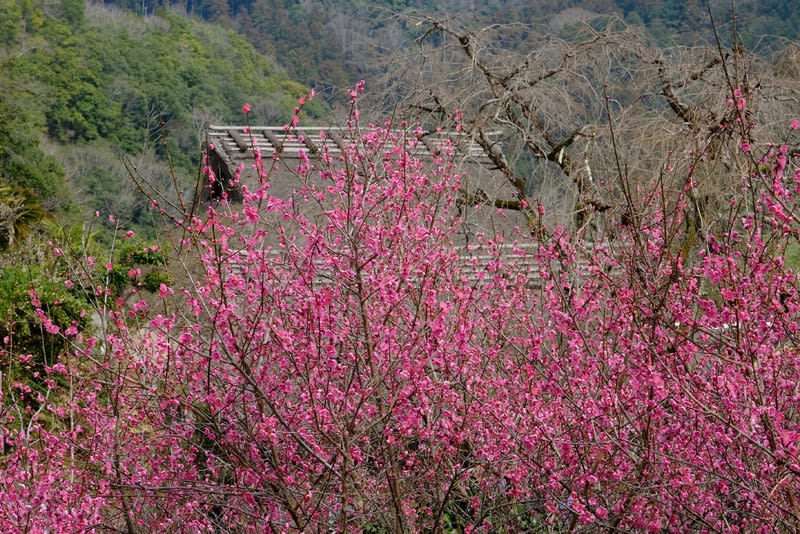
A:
x: 334, y: 43
x: 85, y: 86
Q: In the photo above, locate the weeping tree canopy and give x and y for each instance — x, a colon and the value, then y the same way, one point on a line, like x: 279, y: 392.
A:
x: 600, y: 124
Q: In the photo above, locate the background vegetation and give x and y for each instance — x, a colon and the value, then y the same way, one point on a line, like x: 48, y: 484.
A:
x: 85, y: 86
x: 333, y: 44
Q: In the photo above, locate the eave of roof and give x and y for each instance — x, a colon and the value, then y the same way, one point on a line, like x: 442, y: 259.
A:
x: 236, y: 143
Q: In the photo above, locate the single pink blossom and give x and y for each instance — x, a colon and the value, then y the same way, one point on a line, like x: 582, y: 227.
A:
x: 246, y: 108
x: 164, y: 290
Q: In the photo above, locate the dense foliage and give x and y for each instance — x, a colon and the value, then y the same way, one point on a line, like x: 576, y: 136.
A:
x: 21, y: 327
x: 85, y: 86
x: 329, y: 365
x: 328, y: 45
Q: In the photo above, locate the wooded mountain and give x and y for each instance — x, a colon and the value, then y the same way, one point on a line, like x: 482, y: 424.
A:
x: 85, y: 86
x: 334, y: 43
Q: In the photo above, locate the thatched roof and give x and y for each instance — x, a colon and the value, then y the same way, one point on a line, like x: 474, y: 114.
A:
x: 231, y: 151
x: 231, y: 154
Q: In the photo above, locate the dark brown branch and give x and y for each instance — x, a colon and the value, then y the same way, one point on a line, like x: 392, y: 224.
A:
x: 479, y: 197
x: 689, y: 115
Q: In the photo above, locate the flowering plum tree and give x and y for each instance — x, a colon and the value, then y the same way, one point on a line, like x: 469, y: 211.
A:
x: 325, y: 363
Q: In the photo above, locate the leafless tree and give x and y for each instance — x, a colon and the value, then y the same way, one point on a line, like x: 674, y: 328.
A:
x: 600, y: 124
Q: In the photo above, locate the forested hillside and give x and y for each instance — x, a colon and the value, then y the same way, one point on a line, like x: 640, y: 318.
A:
x: 337, y: 42
x: 85, y: 86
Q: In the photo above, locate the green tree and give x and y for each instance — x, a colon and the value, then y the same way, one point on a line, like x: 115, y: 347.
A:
x: 29, y: 346
x: 10, y: 21
x: 23, y: 163
x: 73, y: 12
x: 19, y: 210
